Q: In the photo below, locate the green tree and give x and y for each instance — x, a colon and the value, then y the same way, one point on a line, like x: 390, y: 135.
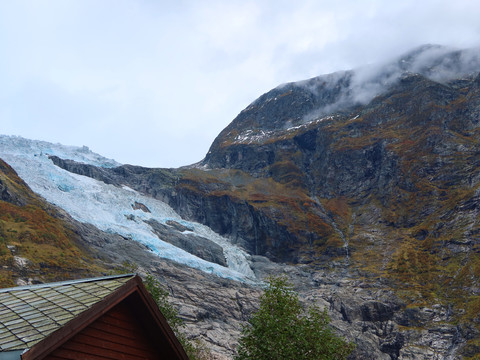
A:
x: 281, y: 330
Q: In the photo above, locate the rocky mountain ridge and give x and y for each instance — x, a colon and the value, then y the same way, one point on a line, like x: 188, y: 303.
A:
x: 365, y: 182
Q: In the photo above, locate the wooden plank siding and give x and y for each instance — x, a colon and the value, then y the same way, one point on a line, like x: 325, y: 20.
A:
x: 122, y: 324
x: 117, y: 335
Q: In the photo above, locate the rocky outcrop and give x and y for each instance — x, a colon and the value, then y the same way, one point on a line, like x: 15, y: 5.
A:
x: 11, y: 186
x: 196, y: 245
x: 215, y: 309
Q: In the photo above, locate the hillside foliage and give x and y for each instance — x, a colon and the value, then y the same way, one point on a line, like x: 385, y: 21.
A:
x: 35, y: 242
x: 281, y: 330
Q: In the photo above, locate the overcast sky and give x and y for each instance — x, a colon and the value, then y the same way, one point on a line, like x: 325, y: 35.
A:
x: 152, y: 83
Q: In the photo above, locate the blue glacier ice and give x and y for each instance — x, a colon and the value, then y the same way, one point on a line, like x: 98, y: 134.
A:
x: 108, y: 207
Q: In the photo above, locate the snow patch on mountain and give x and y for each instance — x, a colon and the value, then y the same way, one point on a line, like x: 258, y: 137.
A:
x: 250, y: 136
x: 111, y: 208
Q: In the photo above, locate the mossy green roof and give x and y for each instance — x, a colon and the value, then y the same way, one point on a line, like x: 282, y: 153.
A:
x: 28, y: 314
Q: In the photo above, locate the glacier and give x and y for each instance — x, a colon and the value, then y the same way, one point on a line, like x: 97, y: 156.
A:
x: 110, y: 208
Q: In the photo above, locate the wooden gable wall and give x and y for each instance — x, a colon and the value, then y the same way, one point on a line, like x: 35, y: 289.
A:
x: 121, y: 333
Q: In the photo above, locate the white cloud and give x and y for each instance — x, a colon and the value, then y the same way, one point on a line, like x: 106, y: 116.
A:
x: 152, y: 83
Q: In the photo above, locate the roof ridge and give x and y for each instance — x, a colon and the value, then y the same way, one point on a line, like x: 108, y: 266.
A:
x: 66, y: 282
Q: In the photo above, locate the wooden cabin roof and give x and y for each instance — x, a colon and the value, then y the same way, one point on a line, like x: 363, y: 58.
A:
x: 30, y: 313
x: 36, y: 318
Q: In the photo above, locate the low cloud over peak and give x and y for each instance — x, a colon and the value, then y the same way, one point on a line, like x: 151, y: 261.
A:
x: 343, y: 90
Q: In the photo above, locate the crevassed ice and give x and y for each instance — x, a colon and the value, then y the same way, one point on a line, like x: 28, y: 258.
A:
x: 109, y: 208
x: 26, y: 147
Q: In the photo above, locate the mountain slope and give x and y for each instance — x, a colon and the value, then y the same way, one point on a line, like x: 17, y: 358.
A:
x: 367, y: 181
x: 374, y: 174
x: 35, y: 243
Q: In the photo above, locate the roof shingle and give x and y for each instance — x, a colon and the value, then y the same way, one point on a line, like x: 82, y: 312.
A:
x: 30, y: 313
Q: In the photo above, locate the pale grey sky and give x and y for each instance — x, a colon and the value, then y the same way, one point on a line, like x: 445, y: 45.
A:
x: 152, y: 83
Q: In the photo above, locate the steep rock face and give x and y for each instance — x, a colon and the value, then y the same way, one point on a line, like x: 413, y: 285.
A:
x: 389, y: 187
x: 372, y: 178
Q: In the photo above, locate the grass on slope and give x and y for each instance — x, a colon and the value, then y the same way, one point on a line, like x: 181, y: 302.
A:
x: 33, y: 242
